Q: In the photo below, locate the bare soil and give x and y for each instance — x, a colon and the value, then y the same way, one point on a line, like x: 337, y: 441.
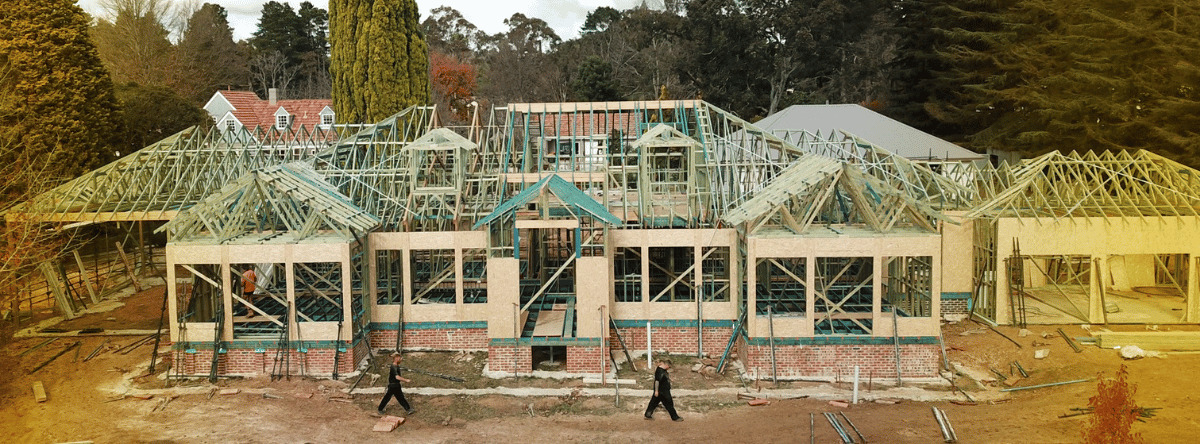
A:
x: 300, y: 409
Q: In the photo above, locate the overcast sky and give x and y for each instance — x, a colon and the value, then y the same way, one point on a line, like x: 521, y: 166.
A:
x: 564, y: 16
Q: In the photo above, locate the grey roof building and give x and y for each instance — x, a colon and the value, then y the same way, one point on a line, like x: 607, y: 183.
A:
x: 880, y: 130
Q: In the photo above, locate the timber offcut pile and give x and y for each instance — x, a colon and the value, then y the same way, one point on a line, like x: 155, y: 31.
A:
x: 1150, y: 340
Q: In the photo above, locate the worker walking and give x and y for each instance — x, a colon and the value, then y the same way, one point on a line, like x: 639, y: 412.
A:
x: 394, y: 388
x: 662, y: 391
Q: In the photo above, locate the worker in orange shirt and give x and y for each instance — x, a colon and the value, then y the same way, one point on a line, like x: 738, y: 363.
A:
x: 248, y: 278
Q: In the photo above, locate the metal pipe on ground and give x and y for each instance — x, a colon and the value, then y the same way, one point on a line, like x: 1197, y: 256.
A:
x: 860, y: 435
x: 1013, y: 389
x: 1069, y: 341
x: 837, y: 427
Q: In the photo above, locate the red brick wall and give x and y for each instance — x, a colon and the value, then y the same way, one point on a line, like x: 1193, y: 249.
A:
x: 435, y: 339
x: 677, y: 340
x: 878, y: 361
x: 585, y: 359
x: 317, y: 362
x: 501, y: 359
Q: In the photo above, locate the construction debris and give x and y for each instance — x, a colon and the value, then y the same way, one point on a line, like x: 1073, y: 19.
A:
x: 1142, y: 412
x: 1150, y: 340
x: 39, y: 392
x: 1041, y: 354
x: 1132, y: 352
x: 388, y: 423
x: 758, y: 402
x: 229, y: 391
x: 842, y: 404
x: 271, y: 396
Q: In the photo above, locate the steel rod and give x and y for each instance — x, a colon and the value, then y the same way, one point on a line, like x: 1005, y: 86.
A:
x: 1013, y: 389
x: 1069, y: 341
x: 860, y: 435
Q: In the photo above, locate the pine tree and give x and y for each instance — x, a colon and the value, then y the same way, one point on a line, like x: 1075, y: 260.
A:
x: 61, y: 110
x: 378, y: 58
x: 1075, y: 75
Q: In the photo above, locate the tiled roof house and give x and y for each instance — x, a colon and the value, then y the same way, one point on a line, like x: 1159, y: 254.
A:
x: 233, y: 110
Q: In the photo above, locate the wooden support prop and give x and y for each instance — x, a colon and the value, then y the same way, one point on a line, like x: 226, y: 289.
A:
x: 774, y: 369
x: 128, y: 267
x: 56, y: 288
x: 896, y: 338
x: 83, y: 276
x: 621, y: 340
x: 52, y: 358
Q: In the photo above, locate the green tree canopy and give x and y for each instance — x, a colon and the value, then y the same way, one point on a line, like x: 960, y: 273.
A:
x: 132, y: 41
x: 209, y: 55
x: 378, y: 59
x: 1075, y: 75
x: 153, y: 113
x: 290, y: 50
x: 61, y: 112
x: 594, y: 81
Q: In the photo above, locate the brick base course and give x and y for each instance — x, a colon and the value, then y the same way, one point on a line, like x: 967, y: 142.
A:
x: 823, y: 361
x: 509, y: 359
x: 676, y: 340
x: 434, y: 339
x: 316, y: 362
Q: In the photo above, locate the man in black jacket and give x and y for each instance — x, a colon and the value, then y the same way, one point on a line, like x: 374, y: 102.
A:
x: 394, y: 388
x: 662, y: 391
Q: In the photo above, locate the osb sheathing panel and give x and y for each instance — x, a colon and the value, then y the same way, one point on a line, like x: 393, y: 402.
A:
x: 428, y: 241
x: 958, y: 251
x: 694, y: 238
x: 504, y: 293
x: 638, y: 311
x: 592, y: 284
x: 673, y: 238
x: 844, y: 246
x: 877, y: 248
x: 1098, y: 238
x: 225, y: 255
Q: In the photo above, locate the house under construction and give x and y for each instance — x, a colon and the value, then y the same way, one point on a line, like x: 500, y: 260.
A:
x: 568, y: 231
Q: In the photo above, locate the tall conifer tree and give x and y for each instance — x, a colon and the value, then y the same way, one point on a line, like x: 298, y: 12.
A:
x: 378, y: 58
x: 59, y: 108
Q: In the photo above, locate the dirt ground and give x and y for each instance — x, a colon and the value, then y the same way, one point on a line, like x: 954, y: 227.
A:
x: 82, y: 405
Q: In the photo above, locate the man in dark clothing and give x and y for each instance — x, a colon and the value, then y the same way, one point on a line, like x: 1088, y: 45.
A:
x: 662, y: 391
x: 394, y: 389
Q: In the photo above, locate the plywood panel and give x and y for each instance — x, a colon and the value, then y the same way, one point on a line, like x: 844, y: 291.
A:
x: 550, y: 323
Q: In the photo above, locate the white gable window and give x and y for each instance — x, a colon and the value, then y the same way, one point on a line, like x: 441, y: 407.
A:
x: 327, y: 115
x: 281, y: 121
x: 230, y: 125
